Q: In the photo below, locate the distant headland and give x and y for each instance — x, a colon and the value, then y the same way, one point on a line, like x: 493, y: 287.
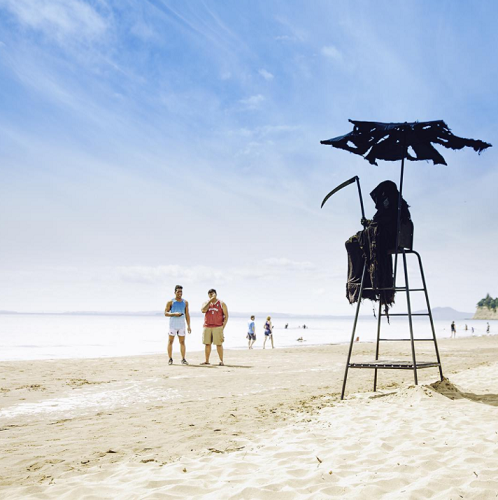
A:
x: 487, y: 308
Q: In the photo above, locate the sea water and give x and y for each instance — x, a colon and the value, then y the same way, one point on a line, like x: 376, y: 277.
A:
x: 57, y: 336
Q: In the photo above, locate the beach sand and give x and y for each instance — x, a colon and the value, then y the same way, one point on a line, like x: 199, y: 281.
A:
x: 269, y: 424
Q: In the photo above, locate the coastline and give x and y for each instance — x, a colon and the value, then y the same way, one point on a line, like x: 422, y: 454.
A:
x: 134, y: 426
x: 485, y: 314
x: 24, y: 337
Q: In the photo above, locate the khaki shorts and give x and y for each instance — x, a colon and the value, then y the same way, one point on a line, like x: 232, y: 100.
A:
x: 213, y: 335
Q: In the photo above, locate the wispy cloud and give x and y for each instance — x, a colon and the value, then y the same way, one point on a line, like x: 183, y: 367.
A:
x: 265, y: 269
x: 332, y: 52
x: 289, y: 265
x: 204, y: 23
x: 265, y: 130
x: 292, y: 33
x: 149, y: 274
x: 266, y: 74
x: 59, y: 19
x: 286, y: 38
x: 252, y: 102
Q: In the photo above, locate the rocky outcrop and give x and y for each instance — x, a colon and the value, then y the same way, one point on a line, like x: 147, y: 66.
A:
x: 485, y: 313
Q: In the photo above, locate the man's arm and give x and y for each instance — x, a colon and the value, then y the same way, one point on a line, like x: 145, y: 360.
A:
x: 187, y: 317
x: 225, y: 314
x: 168, y: 309
x: 205, y: 306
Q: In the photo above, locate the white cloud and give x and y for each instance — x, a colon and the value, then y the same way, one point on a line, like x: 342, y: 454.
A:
x: 58, y: 19
x: 150, y: 274
x: 265, y: 269
x: 332, y: 52
x: 287, y: 264
x: 252, y: 102
x: 264, y: 130
x: 285, y: 38
x: 294, y: 34
x: 266, y: 74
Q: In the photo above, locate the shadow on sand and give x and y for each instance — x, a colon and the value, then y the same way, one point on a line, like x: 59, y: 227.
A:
x: 446, y: 388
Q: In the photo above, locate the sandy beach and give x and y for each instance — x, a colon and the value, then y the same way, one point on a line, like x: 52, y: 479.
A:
x: 269, y: 424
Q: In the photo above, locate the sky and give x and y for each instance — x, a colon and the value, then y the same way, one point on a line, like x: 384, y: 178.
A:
x: 150, y: 143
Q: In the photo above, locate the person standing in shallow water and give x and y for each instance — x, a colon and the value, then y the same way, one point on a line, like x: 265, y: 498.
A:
x: 268, y: 332
x: 177, y: 311
x: 453, y: 330
x: 251, y: 332
x: 214, y: 325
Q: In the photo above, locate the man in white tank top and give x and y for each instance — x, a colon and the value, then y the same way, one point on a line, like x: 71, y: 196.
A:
x: 177, y: 311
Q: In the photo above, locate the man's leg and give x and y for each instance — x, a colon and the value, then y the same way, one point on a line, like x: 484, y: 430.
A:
x: 207, y: 352
x: 181, y: 338
x: 171, y: 339
x: 219, y: 348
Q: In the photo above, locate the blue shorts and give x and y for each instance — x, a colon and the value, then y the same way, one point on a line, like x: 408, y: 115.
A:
x: 251, y: 336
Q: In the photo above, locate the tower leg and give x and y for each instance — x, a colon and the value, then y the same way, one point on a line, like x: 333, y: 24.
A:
x: 354, y: 331
x: 429, y: 310
x: 410, y: 322
x: 379, y: 317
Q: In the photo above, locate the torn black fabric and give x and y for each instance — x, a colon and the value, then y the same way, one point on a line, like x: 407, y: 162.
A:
x: 394, y: 141
x: 372, y: 246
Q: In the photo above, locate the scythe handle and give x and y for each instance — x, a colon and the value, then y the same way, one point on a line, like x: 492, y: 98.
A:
x: 361, y: 198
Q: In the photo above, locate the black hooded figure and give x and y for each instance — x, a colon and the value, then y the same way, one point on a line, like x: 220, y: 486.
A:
x: 372, y: 246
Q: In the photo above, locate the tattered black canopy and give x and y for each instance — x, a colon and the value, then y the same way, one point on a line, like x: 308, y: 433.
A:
x: 395, y: 141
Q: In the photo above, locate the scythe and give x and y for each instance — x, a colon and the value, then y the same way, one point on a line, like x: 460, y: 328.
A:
x: 343, y: 185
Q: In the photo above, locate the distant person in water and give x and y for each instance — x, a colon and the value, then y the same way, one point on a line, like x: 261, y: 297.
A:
x: 487, y: 328
x: 268, y: 332
x: 251, y: 332
x: 177, y: 311
x: 215, y: 320
x: 453, y: 330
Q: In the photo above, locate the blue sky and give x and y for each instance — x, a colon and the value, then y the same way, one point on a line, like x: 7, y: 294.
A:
x: 145, y: 144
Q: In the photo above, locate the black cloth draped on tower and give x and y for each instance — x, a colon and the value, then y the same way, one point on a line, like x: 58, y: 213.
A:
x: 371, y: 246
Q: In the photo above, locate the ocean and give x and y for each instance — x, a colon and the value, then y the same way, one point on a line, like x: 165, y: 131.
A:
x: 57, y: 336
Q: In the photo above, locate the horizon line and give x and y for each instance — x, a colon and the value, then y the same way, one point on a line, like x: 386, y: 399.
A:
x: 195, y: 314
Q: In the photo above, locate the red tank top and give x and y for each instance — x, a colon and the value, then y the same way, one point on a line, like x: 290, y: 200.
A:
x: 214, y: 315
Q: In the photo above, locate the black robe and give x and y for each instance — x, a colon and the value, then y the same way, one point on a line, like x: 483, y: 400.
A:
x: 371, y: 246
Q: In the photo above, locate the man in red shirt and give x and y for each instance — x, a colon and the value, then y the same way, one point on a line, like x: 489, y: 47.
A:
x: 214, y: 324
